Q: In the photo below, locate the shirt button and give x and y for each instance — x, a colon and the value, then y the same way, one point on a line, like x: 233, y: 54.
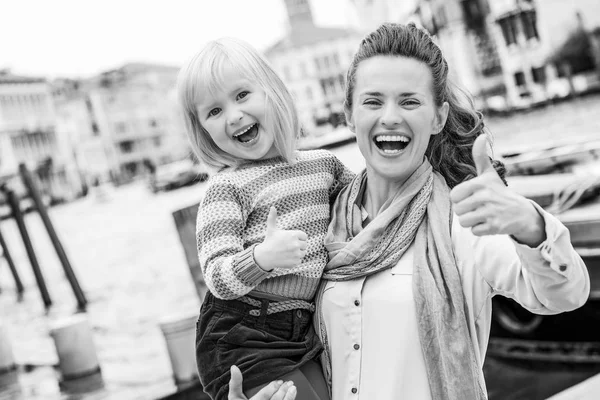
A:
x: 299, y: 314
x: 354, y: 390
x: 562, y: 267
x: 356, y: 346
x: 357, y: 303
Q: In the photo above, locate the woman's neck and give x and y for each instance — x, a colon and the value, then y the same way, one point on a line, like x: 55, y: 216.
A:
x: 378, y: 191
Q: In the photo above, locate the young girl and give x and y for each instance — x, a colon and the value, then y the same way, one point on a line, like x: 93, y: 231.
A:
x: 261, y: 223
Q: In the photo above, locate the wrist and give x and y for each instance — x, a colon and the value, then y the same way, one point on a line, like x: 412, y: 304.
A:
x: 260, y: 257
x: 533, y: 232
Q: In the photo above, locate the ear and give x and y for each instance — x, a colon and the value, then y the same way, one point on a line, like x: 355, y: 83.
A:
x: 441, y: 117
x: 349, y: 120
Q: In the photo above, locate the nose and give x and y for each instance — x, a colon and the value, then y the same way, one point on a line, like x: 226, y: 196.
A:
x: 234, y: 116
x: 391, y: 116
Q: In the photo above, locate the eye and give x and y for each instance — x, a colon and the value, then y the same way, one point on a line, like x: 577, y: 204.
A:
x: 214, y: 112
x: 371, y: 102
x: 411, y: 103
x: 242, y: 94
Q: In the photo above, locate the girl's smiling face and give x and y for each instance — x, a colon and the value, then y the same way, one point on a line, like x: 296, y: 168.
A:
x: 394, y: 114
x: 233, y: 114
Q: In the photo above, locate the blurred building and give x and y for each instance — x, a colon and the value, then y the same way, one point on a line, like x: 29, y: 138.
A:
x: 372, y: 13
x: 313, y: 61
x: 127, y: 119
x: 93, y: 153
x: 28, y: 135
x: 503, y: 50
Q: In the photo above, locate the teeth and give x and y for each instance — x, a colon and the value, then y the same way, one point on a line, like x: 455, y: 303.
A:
x: 392, y: 138
x: 244, y: 131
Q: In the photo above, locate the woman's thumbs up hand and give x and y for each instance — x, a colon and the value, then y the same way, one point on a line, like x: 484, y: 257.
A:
x: 489, y: 207
x: 281, y: 248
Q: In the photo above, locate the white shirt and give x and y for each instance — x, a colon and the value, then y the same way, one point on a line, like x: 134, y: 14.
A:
x: 371, y: 322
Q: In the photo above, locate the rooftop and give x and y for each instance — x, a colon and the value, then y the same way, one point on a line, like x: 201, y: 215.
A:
x: 8, y: 77
x: 307, y: 35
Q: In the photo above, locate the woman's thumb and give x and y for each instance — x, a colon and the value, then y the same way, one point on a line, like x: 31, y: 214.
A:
x: 480, y: 154
x: 235, y: 383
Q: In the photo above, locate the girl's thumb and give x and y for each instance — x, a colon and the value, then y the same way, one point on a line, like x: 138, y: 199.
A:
x: 272, y: 219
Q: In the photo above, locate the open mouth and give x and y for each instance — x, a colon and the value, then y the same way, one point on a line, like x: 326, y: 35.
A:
x: 391, y: 144
x: 248, y: 134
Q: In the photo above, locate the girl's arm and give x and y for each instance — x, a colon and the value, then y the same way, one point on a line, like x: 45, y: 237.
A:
x: 229, y: 269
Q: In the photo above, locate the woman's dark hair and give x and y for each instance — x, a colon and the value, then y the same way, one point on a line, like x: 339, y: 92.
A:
x: 450, y: 151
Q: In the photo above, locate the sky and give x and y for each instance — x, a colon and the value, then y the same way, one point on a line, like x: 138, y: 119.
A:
x: 81, y: 38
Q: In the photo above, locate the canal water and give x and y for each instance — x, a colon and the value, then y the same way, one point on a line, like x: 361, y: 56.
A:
x: 124, y: 247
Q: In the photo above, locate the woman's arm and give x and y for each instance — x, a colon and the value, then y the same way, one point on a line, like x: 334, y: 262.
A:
x: 532, y: 259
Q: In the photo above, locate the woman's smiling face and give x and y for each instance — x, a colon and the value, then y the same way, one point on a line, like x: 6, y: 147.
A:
x: 394, y: 114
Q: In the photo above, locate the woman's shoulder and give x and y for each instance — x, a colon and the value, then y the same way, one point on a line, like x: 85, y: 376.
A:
x: 314, y: 154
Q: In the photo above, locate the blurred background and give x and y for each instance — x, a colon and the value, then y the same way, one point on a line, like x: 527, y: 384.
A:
x: 93, y: 154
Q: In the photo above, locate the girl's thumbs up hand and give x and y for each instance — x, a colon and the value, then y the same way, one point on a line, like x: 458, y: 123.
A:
x: 489, y: 207
x: 281, y: 248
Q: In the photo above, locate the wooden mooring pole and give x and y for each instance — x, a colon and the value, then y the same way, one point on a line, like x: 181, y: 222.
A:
x: 11, y: 265
x: 13, y: 202
x: 60, y: 251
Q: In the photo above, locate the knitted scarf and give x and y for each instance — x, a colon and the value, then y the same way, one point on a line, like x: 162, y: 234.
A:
x: 421, y: 212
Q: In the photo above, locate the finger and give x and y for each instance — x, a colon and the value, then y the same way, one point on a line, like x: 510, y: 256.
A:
x: 480, y: 154
x: 463, y: 190
x: 284, y: 392
x: 235, y: 384
x: 291, y: 393
x: 482, y: 230
x: 302, y: 236
x: 471, y: 203
x: 472, y: 219
x: 270, y: 392
x: 272, y: 220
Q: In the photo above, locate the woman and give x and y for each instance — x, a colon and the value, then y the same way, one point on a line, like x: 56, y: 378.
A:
x: 422, y: 240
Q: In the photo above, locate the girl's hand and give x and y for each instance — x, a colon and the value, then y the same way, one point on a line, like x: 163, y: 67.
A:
x: 276, y: 390
x: 488, y: 207
x: 281, y: 248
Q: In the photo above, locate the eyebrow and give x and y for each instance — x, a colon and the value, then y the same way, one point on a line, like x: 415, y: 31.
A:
x: 379, y: 94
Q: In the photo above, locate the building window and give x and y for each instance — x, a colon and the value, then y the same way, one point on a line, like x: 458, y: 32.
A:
x: 342, y: 81
x: 509, y: 29
x: 336, y: 60
x: 126, y: 147
x: 473, y: 12
x: 528, y: 19
x: 318, y: 64
x: 520, y: 78
x: 539, y: 74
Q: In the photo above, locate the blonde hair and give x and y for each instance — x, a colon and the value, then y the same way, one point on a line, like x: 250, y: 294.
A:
x: 204, y: 72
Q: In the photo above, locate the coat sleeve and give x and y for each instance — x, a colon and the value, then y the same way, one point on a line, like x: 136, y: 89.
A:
x: 549, y: 279
x: 229, y: 269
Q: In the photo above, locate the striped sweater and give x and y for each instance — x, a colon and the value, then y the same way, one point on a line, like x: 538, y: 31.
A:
x: 232, y: 221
